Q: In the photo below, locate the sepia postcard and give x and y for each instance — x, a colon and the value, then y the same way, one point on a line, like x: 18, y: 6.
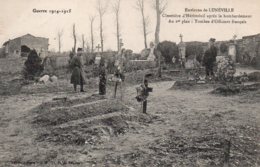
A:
x: 129, y: 83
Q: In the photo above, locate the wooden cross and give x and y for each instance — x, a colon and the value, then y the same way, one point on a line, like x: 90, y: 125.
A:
x: 181, y: 37
x: 234, y: 37
x: 121, y: 43
x: 98, y: 47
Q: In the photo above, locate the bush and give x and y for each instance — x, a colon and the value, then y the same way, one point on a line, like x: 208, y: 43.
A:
x: 225, y: 69
x: 144, y: 54
x: 169, y: 50
x: 33, y: 66
x: 223, y: 48
x: 195, y: 49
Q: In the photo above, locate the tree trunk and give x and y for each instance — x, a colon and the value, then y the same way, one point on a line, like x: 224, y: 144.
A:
x: 59, y: 43
x: 117, y: 32
x: 101, y: 34
x: 75, y: 39
x: 83, y: 43
x: 159, y: 72
x: 144, y: 30
x: 157, y: 32
x: 92, y: 36
x: 158, y: 23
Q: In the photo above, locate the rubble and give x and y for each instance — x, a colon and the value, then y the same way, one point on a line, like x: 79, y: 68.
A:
x: 44, y: 79
x: 54, y: 79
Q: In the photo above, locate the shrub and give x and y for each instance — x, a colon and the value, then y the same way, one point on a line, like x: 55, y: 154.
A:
x: 33, y: 66
x: 144, y: 54
x: 169, y: 50
x: 223, y: 48
x: 196, y: 50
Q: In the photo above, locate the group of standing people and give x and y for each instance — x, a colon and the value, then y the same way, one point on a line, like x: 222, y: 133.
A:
x: 77, y: 77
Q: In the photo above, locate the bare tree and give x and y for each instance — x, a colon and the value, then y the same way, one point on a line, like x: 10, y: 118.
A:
x: 160, y: 6
x: 75, y: 38
x: 83, y: 42
x: 116, y: 10
x: 88, y: 50
x: 101, y: 8
x: 145, y: 19
x: 60, y: 34
x: 92, y: 19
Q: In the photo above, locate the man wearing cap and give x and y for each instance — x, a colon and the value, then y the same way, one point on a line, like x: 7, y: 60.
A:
x: 77, y: 77
x: 209, y: 59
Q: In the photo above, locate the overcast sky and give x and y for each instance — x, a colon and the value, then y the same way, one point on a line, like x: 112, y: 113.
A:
x: 17, y: 19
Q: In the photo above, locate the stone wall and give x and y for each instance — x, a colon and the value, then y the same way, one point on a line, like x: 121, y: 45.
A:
x: 14, y: 47
x: 248, y: 49
x: 11, y: 65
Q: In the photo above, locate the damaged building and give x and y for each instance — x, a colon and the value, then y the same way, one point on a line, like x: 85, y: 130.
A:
x: 21, y: 46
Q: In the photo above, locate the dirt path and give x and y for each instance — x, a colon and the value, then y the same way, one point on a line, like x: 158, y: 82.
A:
x: 182, y: 130
x: 182, y: 113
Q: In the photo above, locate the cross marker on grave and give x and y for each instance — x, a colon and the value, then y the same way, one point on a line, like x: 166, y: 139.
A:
x: 98, y: 47
x: 121, y: 43
x: 234, y: 37
x: 181, y: 37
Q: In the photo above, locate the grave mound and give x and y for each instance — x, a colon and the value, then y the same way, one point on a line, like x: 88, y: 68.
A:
x: 85, y: 121
x: 189, y: 85
x: 233, y: 89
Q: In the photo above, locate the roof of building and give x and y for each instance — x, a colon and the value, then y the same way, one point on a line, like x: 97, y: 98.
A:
x: 30, y: 35
x: 251, y: 36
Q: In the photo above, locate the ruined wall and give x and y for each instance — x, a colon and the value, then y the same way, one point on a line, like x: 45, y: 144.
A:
x: 37, y: 43
x: 249, y: 50
x: 14, y: 47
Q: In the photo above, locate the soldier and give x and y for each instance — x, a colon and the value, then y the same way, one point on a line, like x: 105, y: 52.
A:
x: 102, y: 77
x: 77, y: 77
x: 209, y: 59
x: 119, y: 73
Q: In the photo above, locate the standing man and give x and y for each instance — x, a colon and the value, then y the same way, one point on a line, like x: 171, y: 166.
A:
x: 102, y: 77
x: 77, y: 77
x: 209, y: 59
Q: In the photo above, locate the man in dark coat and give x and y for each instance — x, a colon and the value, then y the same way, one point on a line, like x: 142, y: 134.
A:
x: 102, y: 77
x: 77, y: 77
x: 209, y: 59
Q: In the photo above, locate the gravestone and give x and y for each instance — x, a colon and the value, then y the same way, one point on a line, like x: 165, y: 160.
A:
x: 191, y: 63
x: 182, y: 49
x: 151, y: 56
x: 98, y: 59
x: 98, y: 56
x: 232, y: 51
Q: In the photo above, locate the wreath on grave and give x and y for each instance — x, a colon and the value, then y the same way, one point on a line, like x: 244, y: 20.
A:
x: 225, y: 69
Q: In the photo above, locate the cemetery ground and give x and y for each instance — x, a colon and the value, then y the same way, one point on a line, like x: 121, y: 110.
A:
x: 50, y: 125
